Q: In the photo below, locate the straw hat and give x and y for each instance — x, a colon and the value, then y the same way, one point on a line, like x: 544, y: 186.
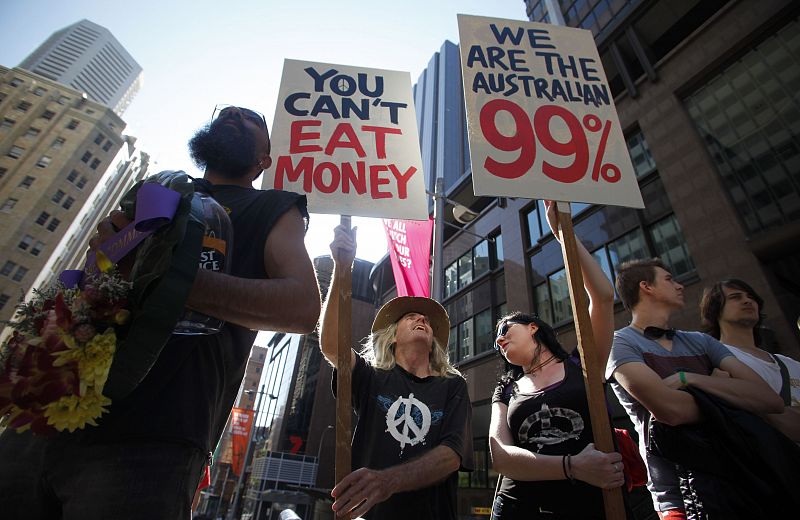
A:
x: 396, y: 308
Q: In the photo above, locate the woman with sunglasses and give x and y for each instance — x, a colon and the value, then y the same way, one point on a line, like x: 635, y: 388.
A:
x: 540, y: 432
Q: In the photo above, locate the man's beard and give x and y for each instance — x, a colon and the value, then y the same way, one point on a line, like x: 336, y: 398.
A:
x: 224, y: 150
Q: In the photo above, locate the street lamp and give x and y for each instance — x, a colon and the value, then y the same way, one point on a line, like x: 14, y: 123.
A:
x: 319, y: 448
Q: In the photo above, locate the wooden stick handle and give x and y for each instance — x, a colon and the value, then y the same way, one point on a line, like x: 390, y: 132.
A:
x: 344, y: 410
x: 592, y: 368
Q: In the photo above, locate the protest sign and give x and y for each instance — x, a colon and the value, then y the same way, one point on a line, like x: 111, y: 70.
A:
x: 410, y: 252
x: 540, y: 116
x: 347, y: 138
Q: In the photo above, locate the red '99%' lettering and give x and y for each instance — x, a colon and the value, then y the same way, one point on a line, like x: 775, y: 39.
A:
x: 524, y: 140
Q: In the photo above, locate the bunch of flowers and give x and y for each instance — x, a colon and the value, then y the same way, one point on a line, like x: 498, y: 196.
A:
x: 56, y: 362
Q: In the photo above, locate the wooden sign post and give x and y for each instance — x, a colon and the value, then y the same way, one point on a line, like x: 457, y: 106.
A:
x: 592, y: 367
x: 346, y: 138
x: 344, y: 371
x: 542, y: 125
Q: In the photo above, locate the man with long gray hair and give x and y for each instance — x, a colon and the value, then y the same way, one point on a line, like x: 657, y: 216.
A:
x: 413, y: 432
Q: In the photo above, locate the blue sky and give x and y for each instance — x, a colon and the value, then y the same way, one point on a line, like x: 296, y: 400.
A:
x: 200, y: 53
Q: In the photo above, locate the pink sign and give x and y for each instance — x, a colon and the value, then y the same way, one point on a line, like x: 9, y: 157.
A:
x: 410, y: 251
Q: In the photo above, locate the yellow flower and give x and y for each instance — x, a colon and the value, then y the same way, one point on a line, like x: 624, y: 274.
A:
x: 74, y: 412
x: 94, y: 364
x: 94, y: 359
x: 103, y: 262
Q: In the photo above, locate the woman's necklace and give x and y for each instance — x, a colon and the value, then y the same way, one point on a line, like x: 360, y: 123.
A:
x: 538, y: 367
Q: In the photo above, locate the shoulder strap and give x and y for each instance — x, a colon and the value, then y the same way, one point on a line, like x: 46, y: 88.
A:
x: 786, y: 386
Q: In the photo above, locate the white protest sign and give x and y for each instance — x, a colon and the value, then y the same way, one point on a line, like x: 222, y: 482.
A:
x: 347, y: 138
x: 540, y: 116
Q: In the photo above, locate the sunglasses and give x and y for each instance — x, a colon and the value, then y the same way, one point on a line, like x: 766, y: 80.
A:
x: 256, y: 117
x: 503, y: 330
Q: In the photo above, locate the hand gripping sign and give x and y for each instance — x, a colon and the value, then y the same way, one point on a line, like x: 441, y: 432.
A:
x: 540, y: 116
x: 346, y: 137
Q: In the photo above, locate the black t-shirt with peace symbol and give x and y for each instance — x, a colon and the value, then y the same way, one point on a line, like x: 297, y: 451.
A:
x: 400, y: 417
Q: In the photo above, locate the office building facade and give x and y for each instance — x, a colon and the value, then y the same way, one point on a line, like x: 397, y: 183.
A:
x: 88, y: 58
x: 55, y: 145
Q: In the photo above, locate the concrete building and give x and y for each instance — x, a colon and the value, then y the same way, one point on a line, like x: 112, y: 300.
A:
x: 55, y: 145
x: 129, y: 166
x: 87, y: 57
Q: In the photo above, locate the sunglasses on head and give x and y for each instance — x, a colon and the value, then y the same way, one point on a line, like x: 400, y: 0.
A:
x: 256, y: 117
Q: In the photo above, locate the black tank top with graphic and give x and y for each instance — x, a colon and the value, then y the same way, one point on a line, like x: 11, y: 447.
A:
x: 553, y: 421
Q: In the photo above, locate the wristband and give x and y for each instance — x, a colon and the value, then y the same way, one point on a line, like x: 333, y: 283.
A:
x: 682, y: 377
x: 569, y: 470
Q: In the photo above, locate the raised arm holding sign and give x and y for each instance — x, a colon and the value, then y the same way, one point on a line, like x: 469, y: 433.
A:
x: 542, y: 125
x: 347, y: 138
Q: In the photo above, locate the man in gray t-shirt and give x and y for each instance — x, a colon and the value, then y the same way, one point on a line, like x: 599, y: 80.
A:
x: 650, y: 364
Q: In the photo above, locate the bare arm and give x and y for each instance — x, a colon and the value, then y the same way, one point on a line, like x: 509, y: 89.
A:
x: 343, y: 252
x: 668, y: 405
x: 599, y: 289
x: 744, y: 388
x: 288, y: 301
x: 672, y: 406
x: 590, y: 465
x: 363, y: 488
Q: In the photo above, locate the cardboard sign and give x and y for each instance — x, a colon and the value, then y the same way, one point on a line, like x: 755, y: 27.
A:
x: 540, y: 116
x: 347, y: 138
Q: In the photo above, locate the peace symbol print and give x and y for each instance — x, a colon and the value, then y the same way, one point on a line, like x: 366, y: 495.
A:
x: 401, y: 423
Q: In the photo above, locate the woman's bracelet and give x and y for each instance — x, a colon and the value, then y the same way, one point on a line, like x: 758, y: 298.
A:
x: 568, y: 468
x: 682, y: 377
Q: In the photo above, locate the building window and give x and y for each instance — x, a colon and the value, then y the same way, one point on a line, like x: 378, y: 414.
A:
x: 37, y: 248
x: 32, y: 132
x: 25, y: 243
x: 68, y: 203
x: 20, y: 274
x: 9, y: 204
x: 7, y: 123
x: 43, y: 216
x: 107, y: 146
x: 747, y: 116
x: 58, y: 143
x: 95, y: 164
x: 73, y: 124
x: 63, y: 100
x: 48, y: 114
x: 27, y: 182
x: 670, y: 247
x: 23, y: 106
x: 15, y: 152
x: 7, y: 268
x: 53, y: 224
x: 99, y: 139
x: 72, y: 176
x: 16, y: 82
x: 86, y: 157
x: 81, y: 183
x: 470, y: 266
x: 39, y: 91
x: 4, y: 300
x: 44, y: 161
x: 3, y: 172
x: 641, y: 157
x: 58, y: 196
